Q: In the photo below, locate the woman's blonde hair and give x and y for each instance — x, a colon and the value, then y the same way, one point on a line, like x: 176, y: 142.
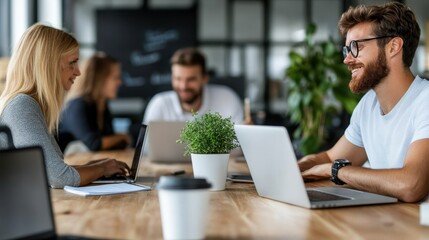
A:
x: 35, y: 69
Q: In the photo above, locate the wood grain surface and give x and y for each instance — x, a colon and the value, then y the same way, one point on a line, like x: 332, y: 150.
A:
x: 236, y: 213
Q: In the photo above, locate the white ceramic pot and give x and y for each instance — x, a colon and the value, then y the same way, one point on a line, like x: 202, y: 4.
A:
x: 213, y: 167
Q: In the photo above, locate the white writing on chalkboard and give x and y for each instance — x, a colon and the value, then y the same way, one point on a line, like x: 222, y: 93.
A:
x: 138, y: 59
x: 132, y: 81
x: 157, y: 40
x: 160, y: 78
x: 156, y: 78
x: 144, y: 40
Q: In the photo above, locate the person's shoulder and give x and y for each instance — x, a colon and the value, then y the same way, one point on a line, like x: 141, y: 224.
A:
x: 22, y: 106
x: 221, y: 90
x: 23, y: 101
x: 217, y: 87
x: 419, y: 90
x: 78, y: 102
x: 423, y: 84
x: 161, y: 102
x: 163, y: 96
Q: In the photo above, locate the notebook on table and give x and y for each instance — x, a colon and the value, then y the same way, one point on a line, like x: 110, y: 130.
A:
x: 275, y: 172
x: 137, y: 158
x: 25, y: 202
x: 162, y: 146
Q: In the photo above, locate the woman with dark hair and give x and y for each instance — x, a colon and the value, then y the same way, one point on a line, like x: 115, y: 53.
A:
x: 86, y: 116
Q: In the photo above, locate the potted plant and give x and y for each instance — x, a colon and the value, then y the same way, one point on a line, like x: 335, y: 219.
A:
x: 317, y: 91
x: 209, y: 140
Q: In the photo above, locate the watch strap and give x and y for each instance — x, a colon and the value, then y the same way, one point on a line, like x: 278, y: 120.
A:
x: 336, y: 166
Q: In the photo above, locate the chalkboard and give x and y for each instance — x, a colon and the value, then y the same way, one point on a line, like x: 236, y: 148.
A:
x: 143, y: 41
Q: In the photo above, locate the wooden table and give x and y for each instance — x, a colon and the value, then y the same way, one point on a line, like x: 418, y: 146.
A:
x: 238, y: 212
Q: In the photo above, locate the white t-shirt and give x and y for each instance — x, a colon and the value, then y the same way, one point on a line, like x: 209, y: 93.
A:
x: 386, y: 138
x: 165, y: 106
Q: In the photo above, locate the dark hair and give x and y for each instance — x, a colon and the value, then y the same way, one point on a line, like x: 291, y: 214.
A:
x: 189, y: 57
x: 391, y: 19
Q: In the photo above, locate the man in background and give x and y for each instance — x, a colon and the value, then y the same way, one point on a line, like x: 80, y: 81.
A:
x: 191, y: 92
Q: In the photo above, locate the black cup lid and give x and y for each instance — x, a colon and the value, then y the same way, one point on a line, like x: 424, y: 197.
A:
x: 170, y: 182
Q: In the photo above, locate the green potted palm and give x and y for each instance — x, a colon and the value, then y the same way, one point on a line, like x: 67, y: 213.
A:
x: 317, y: 91
x: 209, y: 140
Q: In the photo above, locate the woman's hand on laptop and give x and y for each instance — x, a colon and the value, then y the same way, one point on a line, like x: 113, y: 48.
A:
x: 112, y: 167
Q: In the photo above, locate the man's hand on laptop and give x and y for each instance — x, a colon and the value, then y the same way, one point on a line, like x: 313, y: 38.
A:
x: 311, y: 160
x: 318, y: 172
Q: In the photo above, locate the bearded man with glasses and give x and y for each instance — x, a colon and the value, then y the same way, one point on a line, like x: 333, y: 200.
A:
x: 389, y: 129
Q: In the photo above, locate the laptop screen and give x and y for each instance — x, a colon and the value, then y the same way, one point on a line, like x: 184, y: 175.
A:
x: 138, y: 149
x: 162, y: 145
x: 25, y: 204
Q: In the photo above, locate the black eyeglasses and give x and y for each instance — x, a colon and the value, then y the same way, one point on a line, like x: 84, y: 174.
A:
x: 353, y: 47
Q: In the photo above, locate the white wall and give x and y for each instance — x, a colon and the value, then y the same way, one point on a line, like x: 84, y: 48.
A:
x: 21, y: 16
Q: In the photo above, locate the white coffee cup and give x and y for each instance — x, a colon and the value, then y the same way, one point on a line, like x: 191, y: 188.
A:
x: 184, y: 207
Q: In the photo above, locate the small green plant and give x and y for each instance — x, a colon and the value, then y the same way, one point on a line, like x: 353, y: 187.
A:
x: 208, y: 134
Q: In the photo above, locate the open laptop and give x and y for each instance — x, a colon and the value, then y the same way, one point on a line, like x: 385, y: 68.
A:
x: 162, y: 146
x: 275, y: 172
x: 134, y: 165
x: 25, y: 202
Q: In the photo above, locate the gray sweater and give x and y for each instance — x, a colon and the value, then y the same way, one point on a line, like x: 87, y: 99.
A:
x: 24, y: 117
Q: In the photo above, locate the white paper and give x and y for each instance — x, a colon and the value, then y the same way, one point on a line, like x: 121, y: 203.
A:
x: 106, y: 189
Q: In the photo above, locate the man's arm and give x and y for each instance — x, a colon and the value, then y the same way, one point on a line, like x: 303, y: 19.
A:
x: 342, y: 149
x: 409, y: 183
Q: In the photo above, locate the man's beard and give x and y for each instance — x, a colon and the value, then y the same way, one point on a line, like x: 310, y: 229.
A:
x: 191, y: 100
x: 373, y: 73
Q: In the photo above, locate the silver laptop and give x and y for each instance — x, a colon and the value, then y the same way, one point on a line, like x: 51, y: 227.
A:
x: 162, y: 146
x: 137, y: 158
x: 275, y: 172
x: 25, y: 202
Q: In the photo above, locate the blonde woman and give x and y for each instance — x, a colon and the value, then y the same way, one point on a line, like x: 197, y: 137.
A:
x: 43, y: 66
x: 86, y: 116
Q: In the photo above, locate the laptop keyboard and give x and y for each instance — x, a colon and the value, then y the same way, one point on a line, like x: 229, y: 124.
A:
x: 317, y: 196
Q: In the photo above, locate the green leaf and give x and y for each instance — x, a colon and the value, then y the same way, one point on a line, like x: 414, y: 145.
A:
x: 295, y: 57
x: 294, y: 100
x: 307, y: 97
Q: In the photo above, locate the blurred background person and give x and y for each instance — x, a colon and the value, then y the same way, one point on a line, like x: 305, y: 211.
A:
x: 192, y: 93
x: 86, y: 116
